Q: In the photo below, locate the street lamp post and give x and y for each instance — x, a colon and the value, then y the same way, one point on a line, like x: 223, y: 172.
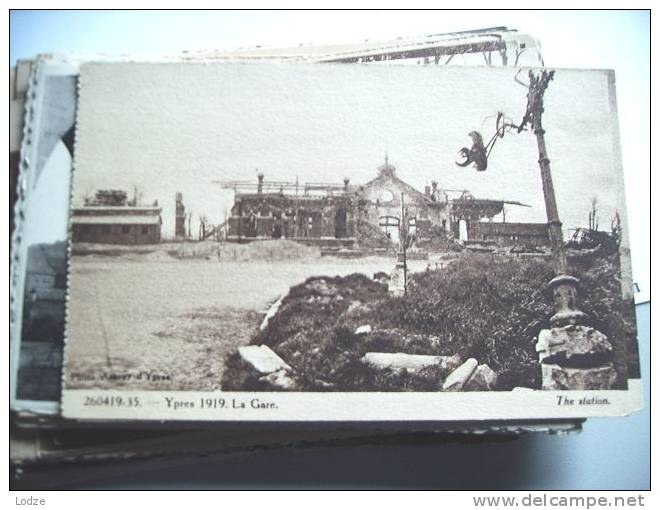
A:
x: 399, y: 277
x: 572, y: 354
x: 564, y: 286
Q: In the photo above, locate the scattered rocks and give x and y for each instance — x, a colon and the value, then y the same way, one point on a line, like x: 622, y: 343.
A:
x: 363, y: 330
x: 457, y: 379
x: 483, y: 378
x: 319, y: 300
x: 562, y: 378
x: 280, y: 380
x: 411, y: 362
x: 356, y: 308
x: 322, y: 287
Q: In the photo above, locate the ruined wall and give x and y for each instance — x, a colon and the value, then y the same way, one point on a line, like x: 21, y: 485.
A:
x: 116, y: 234
x: 426, y: 211
x: 274, y: 215
x: 508, y: 234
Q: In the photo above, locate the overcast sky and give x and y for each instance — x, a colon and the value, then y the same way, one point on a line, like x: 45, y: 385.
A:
x: 168, y: 128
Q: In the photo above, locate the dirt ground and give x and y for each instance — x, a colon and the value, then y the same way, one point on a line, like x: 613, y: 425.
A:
x: 146, y: 323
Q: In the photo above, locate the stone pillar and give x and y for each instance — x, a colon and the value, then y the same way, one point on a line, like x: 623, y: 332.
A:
x: 573, y: 356
x: 397, y: 285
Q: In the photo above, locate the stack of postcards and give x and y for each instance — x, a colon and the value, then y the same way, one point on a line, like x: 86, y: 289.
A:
x: 348, y: 241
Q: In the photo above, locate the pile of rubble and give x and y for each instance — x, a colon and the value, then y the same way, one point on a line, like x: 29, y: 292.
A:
x: 273, y: 373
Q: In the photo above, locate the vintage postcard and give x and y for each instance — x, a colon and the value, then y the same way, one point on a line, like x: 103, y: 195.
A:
x: 36, y: 364
x: 39, y: 242
x: 323, y: 242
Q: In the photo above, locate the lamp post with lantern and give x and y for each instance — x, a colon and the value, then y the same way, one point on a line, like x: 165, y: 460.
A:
x: 572, y: 354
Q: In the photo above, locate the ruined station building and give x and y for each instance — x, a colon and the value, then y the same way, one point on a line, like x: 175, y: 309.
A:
x: 385, y: 196
x: 368, y: 215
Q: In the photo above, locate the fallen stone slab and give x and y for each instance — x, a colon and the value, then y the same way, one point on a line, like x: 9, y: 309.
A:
x: 483, y: 378
x: 262, y: 359
x: 457, y: 379
x: 555, y: 377
x: 411, y: 362
x: 363, y: 330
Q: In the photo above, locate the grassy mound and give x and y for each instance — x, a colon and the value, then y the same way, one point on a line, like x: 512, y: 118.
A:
x: 487, y: 307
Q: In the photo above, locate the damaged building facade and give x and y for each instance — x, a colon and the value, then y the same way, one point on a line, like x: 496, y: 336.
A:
x: 110, y: 218
x: 346, y: 214
x: 323, y: 214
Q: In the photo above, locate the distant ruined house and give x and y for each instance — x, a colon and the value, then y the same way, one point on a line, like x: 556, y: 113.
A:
x: 109, y: 218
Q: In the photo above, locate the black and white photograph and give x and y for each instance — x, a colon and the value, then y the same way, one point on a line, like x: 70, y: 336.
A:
x: 329, y: 229
x: 373, y: 249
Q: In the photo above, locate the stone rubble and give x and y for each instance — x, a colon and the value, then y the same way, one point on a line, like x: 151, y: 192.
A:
x: 280, y: 380
x: 569, y: 341
x: 563, y: 378
x: 457, y: 379
x: 363, y: 330
x: 575, y: 357
x: 484, y: 378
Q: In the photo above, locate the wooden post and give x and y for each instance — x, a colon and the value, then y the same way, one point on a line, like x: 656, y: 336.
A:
x: 564, y: 287
x: 403, y: 243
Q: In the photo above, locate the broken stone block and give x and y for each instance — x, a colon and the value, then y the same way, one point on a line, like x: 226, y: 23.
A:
x: 573, y: 345
x: 262, y: 359
x: 483, y: 378
x: 280, y: 380
x: 411, y: 362
x: 523, y: 389
x: 457, y: 379
x: 555, y: 377
x: 363, y: 330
